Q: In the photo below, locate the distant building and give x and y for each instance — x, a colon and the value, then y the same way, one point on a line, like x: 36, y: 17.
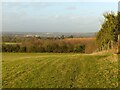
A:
x: 29, y: 36
x: 37, y: 35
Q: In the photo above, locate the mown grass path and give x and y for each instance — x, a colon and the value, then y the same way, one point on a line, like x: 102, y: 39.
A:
x: 37, y: 70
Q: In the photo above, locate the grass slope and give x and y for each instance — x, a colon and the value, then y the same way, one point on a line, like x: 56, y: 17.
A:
x: 36, y: 70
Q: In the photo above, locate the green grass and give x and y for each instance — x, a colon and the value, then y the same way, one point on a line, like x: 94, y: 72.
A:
x: 10, y: 43
x: 36, y: 70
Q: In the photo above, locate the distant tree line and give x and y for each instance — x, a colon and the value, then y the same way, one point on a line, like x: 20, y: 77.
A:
x: 14, y: 38
x: 47, y: 44
x: 107, y: 37
x: 55, y: 46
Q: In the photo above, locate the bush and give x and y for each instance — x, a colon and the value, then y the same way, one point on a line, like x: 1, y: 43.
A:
x: 22, y: 49
x: 10, y: 48
x: 56, y: 46
x: 79, y: 48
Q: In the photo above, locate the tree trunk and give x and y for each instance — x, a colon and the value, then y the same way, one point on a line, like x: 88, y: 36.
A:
x: 108, y: 45
x: 111, y: 44
x: 118, y: 43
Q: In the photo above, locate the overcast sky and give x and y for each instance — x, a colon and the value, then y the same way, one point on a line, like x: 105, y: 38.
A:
x: 55, y: 17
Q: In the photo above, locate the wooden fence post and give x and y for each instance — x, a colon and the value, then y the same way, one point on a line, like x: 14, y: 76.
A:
x: 118, y: 43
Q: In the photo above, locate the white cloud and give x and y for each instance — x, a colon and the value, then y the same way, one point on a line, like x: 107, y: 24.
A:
x: 71, y: 7
x: 56, y: 16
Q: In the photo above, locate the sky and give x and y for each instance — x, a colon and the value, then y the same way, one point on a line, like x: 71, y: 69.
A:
x: 55, y: 16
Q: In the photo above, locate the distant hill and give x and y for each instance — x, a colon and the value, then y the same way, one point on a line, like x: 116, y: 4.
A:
x: 49, y: 34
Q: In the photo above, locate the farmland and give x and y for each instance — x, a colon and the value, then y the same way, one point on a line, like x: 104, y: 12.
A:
x: 66, y: 70
x: 65, y: 45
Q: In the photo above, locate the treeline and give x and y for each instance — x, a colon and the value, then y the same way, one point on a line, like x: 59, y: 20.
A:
x: 107, y: 37
x: 13, y: 38
x: 55, y: 46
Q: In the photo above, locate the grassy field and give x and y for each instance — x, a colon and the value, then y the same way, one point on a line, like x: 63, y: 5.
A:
x: 37, y: 70
x: 10, y: 43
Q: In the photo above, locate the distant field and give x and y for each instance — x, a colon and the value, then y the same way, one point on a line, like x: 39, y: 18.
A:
x: 10, y: 43
x: 36, y: 70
